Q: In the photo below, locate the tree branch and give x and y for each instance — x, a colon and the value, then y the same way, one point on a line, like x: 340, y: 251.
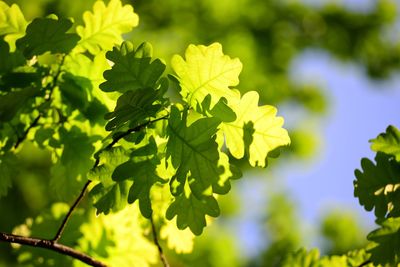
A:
x: 47, y: 98
x: 66, y: 218
x: 23, y: 136
x: 365, y: 263
x: 51, y: 245
x: 155, y: 238
x: 82, y: 193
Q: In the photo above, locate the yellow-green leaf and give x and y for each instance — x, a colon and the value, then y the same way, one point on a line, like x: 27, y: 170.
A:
x: 206, y: 70
x: 266, y: 129
x: 12, y: 23
x: 105, y: 25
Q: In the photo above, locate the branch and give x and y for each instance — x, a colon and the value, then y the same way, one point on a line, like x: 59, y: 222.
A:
x: 66, y: 218
x: 46, y: 99
x: 82, y: 193
x: 365, y: 263
x: 23, y: 136
x: 51, y: 245
x: 155, y: 238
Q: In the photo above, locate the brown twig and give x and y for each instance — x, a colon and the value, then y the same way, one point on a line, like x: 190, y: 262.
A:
x: 51, y: 245
x: 66, y: 218
x: 157, y: 243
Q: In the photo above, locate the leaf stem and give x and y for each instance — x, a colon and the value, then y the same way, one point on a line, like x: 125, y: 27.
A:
x: 51, y: 245
x: 157, y: 243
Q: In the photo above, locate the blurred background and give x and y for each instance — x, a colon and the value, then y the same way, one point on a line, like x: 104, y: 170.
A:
x: 331, y: 68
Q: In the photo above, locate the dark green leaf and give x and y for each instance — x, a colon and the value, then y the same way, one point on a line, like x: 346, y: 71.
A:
x: 191, y: 211
x: 220, y: 110
x: 134, y: 107
x: 9, y: 61
x: 69, y: 174
x: 132, y: 69
x: 47, y: 35
x: 109, y: 195
x: 19, y: 80
x: 377, y: 186
x: 8, y: 169
x: 12, y: 102
x: 113, y: 198
x: 143, y: 173
x: 193, y: 150
x: 387, y: 239
x: 76, y: 90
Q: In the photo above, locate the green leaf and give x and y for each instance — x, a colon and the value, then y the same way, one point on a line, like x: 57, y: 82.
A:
x: 110, y: 198
x: 302, y: 258
x: 9, y: 60
x: 141, y: 169
x: 387, y: 242
x: 132, y: 69
x: 194, y: 152
x: 206, y: 70
x: 47, y: 34
x: 377, y: 186
x: 221, y: 110
x: 12, y: 102
x: 388, y: 143
x: 266, y: 132
x: 105, y: 25
x: 191, y: 211
x: 108, y: 194
x: 12, y: 23
x: 69, y: 174
x: 76, y: 90
x: 134, y: 107
x: 7, y: 171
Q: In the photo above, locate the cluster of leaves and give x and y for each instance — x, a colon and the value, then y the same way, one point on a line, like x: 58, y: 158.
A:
x: 119, y: 130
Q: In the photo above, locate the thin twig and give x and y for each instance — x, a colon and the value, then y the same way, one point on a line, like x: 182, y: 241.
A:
x: 155, y: 238
x: 365, y: 263
x: 51, y: 245
x: 46, y: 99
x: 66, y: 218
x: 82, y: 193
x: 23, y: 136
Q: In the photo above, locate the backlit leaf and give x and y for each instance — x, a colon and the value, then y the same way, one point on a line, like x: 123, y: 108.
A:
x: 12, y: 23
x: 388, y: 142
x: 206, y: 70
x: 105, y: 25
x: 266, y: 130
